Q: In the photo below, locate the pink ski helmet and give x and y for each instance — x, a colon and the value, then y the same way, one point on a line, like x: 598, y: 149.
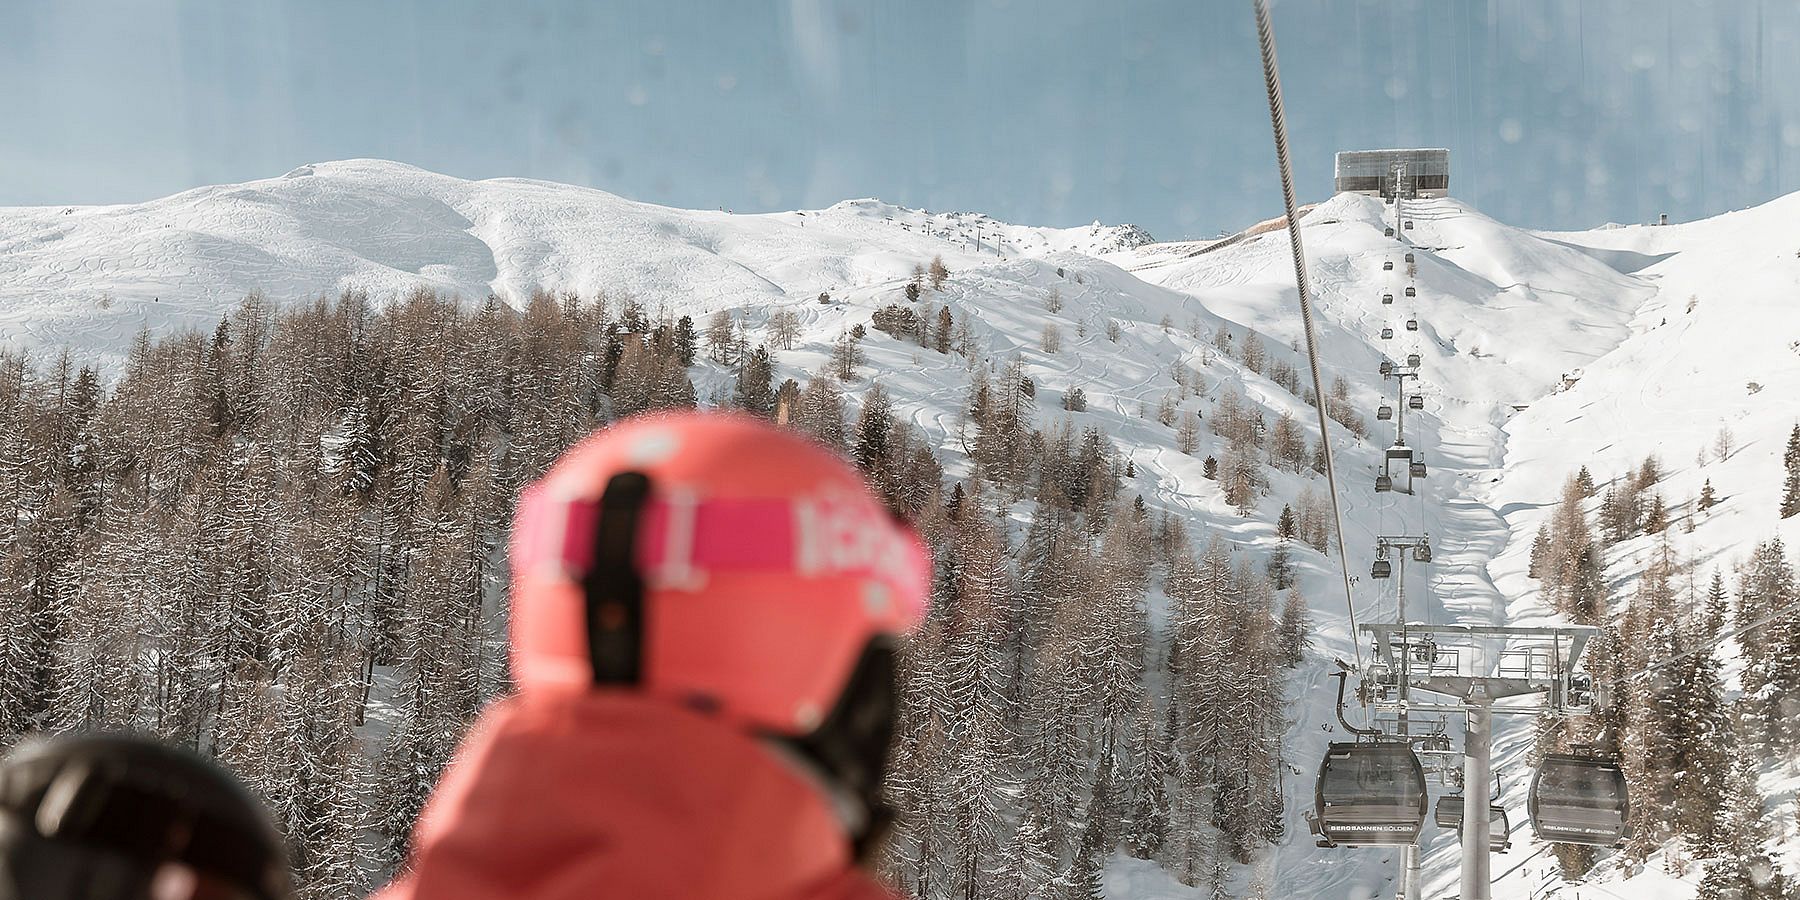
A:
x: 712, y: 559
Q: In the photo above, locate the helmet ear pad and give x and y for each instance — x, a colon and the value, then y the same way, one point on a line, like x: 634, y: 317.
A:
x: 853, y: 743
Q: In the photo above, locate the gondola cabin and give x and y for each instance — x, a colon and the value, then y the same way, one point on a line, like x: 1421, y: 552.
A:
x: 1578, y: 799
x: 1409, y: 256
x: 1383, y: 484
x: 1412, y: 324
x: 1408, y: 224
x: 1369, y: 795
x: 1387, y: 299
x: 1449, y: 814
x: 1412, y: 359
x: 1416, y: 401
x: 1384, y: 412
x: 1382, y: 568
x: 1417, y: 469
x: 1412, y: 292
x: 1387, y: 367
x: 1387, y: 333
x: 1387, y: 266
x: 1388, y: 231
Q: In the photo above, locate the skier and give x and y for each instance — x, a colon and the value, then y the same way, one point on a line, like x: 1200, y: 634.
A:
x: 704, y: 613
x: 113, y: 817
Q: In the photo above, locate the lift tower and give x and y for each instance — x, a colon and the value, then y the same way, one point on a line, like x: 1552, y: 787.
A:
x: 1399, y: 451
x: 1473, y: 668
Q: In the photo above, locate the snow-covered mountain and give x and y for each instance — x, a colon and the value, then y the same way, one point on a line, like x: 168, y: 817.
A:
x: 88, y: 277
x: 1541, y: 352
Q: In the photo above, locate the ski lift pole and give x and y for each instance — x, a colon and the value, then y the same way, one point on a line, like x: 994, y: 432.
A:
x: 1400, y: 407
x: 1410, y: 877
x: 1477, y: 750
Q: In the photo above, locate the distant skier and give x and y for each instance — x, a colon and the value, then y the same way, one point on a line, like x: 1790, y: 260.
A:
x: 109, y: 817
x: 703, y: 625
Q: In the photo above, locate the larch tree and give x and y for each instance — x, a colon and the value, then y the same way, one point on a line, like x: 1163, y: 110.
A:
x: 783, y: 327
x: 938, y: 273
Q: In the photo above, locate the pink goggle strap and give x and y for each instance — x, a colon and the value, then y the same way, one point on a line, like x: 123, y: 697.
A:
x: 681, y: 538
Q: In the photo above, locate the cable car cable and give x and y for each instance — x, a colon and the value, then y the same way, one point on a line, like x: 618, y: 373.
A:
x: 1265, y: 34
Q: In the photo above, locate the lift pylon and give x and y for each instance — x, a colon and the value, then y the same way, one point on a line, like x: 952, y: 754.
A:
x: 1473, y: 668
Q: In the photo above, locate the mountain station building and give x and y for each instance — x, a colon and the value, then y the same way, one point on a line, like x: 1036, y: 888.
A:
x: 1387, y: 173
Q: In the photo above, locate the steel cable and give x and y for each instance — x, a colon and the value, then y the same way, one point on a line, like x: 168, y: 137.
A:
x: 1265, y: 34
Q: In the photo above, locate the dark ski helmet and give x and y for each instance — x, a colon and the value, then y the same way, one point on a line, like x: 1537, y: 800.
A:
x: 99, y: 817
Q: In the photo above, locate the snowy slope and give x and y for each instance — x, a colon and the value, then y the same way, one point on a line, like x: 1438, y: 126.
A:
x: 1504, y: 315
x: 1669, y: 332
x: 1717, y: 347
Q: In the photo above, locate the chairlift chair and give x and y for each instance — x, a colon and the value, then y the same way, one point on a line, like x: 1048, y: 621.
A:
x: 1369, y: 794
x: 1416, y: 401
x: 1449, y: 816
x: 1387, y: 333
x: 1412, y: 324
x: 1412, y: 359
x: 1579, y: 697
x: 1580, y: 799
x: 1412, y: 292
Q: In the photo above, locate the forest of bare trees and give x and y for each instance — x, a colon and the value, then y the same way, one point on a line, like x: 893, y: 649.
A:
x: 282, y: 543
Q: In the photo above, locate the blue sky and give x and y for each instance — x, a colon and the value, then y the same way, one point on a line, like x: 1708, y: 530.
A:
x: 1557, y: 113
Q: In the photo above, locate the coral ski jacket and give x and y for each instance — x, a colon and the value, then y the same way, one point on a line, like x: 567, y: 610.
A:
x: 607, y: 794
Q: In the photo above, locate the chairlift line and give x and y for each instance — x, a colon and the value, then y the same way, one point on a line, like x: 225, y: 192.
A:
x: 1372, y: 791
